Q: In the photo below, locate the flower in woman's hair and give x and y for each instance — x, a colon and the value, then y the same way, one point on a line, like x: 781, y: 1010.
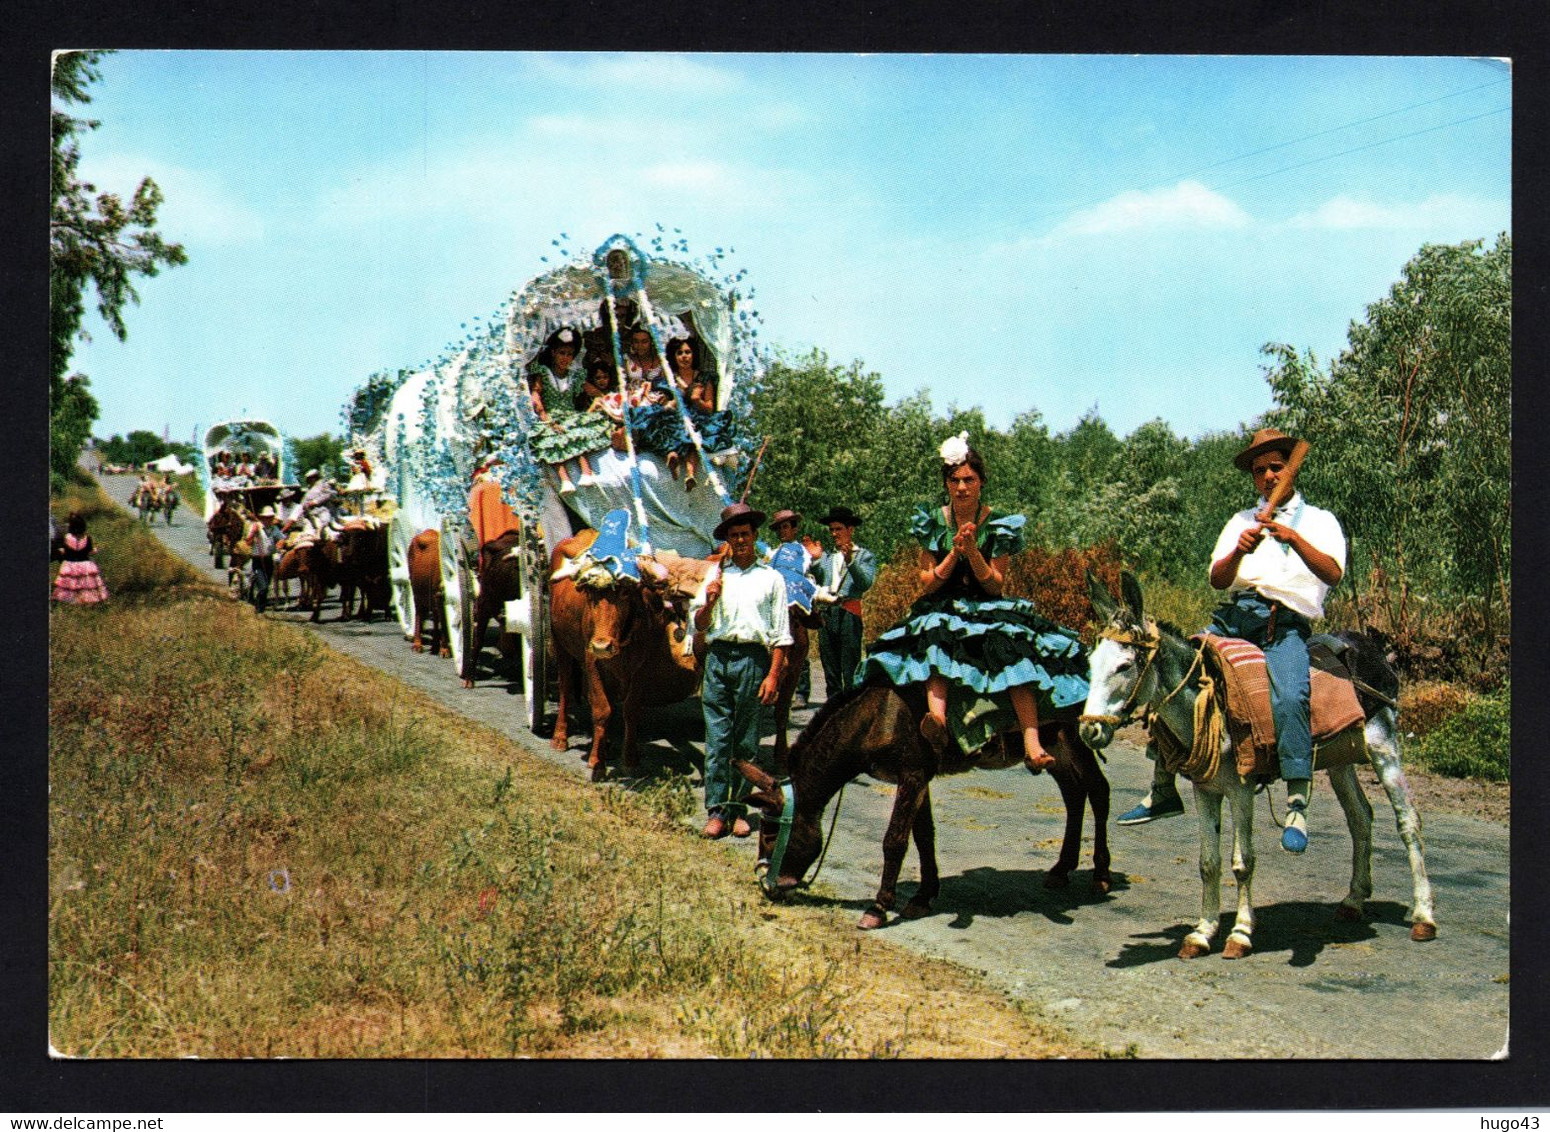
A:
x: 955, y: 449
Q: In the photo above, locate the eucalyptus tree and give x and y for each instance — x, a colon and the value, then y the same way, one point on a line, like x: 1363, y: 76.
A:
x: 97, y: 240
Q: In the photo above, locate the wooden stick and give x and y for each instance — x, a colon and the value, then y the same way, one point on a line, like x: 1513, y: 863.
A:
x: 748, y: 486
x: 1286, y: 484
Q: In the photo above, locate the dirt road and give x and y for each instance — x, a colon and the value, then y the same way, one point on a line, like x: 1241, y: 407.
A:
x: 1104, y: 968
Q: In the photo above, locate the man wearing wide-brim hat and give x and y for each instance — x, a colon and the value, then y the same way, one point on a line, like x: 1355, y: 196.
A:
x: 742, y: 614
x: 1276, y: 566
x: 787, y: 527
x: 843, y: 576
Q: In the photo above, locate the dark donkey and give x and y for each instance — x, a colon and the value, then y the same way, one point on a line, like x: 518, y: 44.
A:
x: 875, y: 730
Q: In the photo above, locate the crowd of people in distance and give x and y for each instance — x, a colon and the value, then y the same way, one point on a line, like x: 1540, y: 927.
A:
x: 242, y: 470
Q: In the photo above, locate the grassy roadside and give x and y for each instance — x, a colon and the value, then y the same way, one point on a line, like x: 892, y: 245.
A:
x: 261, y: 848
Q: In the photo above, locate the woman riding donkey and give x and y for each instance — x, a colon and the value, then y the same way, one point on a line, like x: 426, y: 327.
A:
x: 989, y: 662
x: 1277, y: 561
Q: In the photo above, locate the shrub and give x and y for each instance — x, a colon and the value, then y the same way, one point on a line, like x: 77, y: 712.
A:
x: 1475, y: 742
x: 1054, y: 580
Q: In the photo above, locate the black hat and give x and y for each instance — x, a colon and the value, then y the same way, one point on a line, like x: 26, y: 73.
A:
x: 841, y: 514
x: 737, y: 513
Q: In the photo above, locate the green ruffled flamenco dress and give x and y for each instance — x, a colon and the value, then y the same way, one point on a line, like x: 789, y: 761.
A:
x: 579, y: 432
x: 984, y: 645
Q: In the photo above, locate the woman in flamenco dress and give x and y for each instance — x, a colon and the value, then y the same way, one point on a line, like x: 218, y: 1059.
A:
x: 990, y: 663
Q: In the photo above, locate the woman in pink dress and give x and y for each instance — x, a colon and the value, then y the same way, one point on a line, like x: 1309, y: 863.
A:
x: 79, y: 581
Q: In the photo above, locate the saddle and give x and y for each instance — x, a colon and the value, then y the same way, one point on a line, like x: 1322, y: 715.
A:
x: 1337, y: 716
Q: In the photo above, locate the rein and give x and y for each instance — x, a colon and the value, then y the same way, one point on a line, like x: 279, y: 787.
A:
x: 771, y: 867
x: 1151, y: 643
x: 1205, y: 751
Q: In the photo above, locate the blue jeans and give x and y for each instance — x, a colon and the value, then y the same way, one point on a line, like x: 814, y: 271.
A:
x: 1283, y: 635
x: 839, y: 647
x: 729, y: 696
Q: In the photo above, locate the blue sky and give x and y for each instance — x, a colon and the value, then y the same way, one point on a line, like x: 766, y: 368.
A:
x: 1016, y: 232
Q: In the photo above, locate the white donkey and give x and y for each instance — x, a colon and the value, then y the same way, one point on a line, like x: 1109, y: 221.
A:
x: 1137, y: 664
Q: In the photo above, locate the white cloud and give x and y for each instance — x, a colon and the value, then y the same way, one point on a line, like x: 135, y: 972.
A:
x: 1189, y: 204
x: 196, y: 208
x: 644, y: 73
x: 1444, y: 210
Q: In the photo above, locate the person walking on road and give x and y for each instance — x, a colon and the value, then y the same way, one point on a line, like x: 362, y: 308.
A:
x: 843, y: 576
x: 742, y: 613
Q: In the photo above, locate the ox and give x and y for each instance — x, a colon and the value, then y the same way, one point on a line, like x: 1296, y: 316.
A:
x: 625, y: 636
x: 361, y: 563
x: 426, y: 590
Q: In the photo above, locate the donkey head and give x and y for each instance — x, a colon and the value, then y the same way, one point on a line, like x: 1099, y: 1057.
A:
x: 803, y: 843
x: 1118, y: 662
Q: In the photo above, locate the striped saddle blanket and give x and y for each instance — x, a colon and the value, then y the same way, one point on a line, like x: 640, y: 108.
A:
x: 1337, y: 714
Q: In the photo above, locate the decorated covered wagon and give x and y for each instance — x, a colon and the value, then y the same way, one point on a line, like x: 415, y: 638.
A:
x: 608, y: 383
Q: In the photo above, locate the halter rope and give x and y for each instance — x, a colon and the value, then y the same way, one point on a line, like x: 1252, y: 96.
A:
x: 1205, y: 752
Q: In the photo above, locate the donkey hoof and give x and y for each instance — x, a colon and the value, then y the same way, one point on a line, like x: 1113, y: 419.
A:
x: 871, y: 919
x: 468, y: 683
x: 1421, y: 931
x: 1236, y: 948
x: 1347, y: 913
x: 1102, y: 883
x: 1193, y: 950
x: 915, y: 910
x: 1057, y: 878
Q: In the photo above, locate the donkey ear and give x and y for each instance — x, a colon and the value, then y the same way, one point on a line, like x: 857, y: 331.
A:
x: 761, y: 778
x: 1130, y: 590
x: 1103, y: 601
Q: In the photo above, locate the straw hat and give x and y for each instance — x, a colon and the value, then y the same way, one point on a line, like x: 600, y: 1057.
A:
x: 1264, y: 440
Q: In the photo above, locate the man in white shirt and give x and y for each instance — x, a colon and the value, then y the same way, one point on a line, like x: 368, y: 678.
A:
x: 1276, y: 571
x: 742, y: 614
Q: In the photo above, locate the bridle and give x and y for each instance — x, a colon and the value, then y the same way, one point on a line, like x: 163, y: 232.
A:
x: 1149, y: 641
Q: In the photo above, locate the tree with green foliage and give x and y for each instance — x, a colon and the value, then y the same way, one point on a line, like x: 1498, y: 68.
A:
x: 323, y: 452
x: 1413, y: 421
x: 96, y: 240
x: 141, y: 446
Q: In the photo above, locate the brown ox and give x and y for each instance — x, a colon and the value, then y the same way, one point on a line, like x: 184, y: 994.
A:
x: 425, y: 589
x: 500, y: 581
x: 361, y: 564
x: 627, y: 639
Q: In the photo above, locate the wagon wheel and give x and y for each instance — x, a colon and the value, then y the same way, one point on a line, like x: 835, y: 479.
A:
x: 457, y: 589
x: 399, y: 536
x: 534, y: 580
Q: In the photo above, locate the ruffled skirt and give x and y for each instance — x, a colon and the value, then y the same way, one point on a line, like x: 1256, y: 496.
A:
x: 660, y: 429
x: 80, y: 583
x: 579, y: 433
x: 984, y: 648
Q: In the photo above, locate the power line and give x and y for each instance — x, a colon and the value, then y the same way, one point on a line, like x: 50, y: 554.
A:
x: 1066, y: 211
x: 1360, y: 148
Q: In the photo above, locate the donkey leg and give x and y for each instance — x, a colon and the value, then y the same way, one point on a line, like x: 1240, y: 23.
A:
x: 1098, y: 798
x: 1383, y: 752
x: 1074, y: 794
x: 907, y: 797
x: 1240, y: 941
x: 925, y: 848
x: 1208, y: 807
x: 1358, y: 819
